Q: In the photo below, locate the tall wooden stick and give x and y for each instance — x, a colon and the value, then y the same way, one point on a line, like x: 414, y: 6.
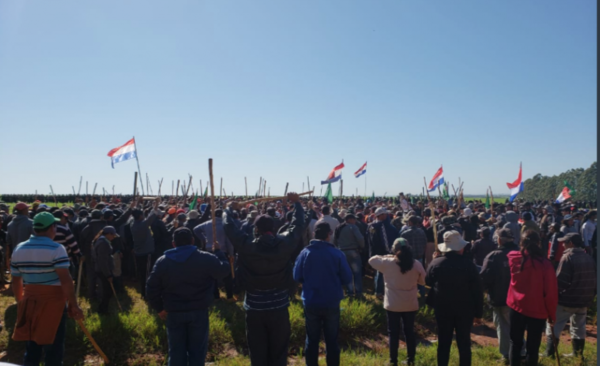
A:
x: 286, y: 188
x: 79, y: 277
x: 221, y: 188
x: 265, y: 188
x: 93, y: 341
x: 492, y: 204
x: 177, y: 190
x: 307, y: 183
x: 115, y: 293
x: 135, y: 177
x: 73, y: 190
x: 80, y: 181
x: 246, y: 182
x: 433, y: 223
x: 86, y: 187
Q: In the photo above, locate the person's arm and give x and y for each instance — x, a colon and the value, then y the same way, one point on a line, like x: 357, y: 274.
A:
x: 487, y: 271
x: 66, y: 283
x: 299, y: 267
x: 421, y: 270
x: 359, y: 237
x: 103, y: 258
x: 297, y: 223
x: 376, y: 262
x: 345, y: 272
x: 17, y: 286
x: 219, y: 266
x: 564, y: 274
x: 123, y: 218
x: 235, y: 235
x: 154, y: 287
x: 205, y: 215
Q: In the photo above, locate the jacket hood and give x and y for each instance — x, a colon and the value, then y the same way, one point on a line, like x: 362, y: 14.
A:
x: 18, y: 218
x: 267, y: 240
x: 511, y: 216
x: 180, y: 254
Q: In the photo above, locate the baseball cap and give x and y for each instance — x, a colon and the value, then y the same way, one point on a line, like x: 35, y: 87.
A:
x: 44, y: 220
x: 59, y: 214
x: 398, y: 243
x: 21, y: 206
x: 574, y: 238
x: 110, y: 230
x: 183, y: 236
x: 381, y: 211
x: 505, y: 233
x: 108, y: 213
x: 96, y: 214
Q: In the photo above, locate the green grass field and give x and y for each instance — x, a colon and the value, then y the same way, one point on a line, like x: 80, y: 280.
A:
x: 138, y: 337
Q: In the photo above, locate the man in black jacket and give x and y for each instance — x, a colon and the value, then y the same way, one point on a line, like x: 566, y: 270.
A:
x: 495, y: 274
x: 180, y: 289
x: 265, y: 272
x: 456, y: 297
x: 380, y: 238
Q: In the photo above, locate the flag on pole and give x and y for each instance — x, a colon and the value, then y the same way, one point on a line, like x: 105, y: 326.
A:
x: 334, y: 175
x: 122, y: 153
x: 445, y: 191
x: 373, y: 197
x: 362, y: 170
x: 206, y: 191
x: 516, y: 187
x: 564, y: 195
x: 329, y: 194
x: 571, y: 190
x: 194, y: 202
x: 487, y: 200
x: 437, y: 180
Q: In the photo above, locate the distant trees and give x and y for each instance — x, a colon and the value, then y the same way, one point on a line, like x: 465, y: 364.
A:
x: 583, y: 181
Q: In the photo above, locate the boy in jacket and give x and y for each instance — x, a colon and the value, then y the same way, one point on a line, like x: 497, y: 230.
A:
x: 180, y: 289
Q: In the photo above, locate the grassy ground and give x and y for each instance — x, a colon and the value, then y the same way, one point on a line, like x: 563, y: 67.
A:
x: 138, y: 337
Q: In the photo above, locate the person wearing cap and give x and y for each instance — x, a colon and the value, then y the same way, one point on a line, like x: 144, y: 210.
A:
x: 495, y: 275
x: 482, y: 246
x: 456, y: 296
x: 103, y: 263
x: 42, y: 296
x: 322, y: 270
x: 380, y: 237
x: 264, y: 271
x: 248, y: 224
x: 350, y: 241
x: 402, y: 274
x: 416, y: 238
x: 568, y: 225
x: 532, y: 297
x: 576, y: 278
x: 555, y: 248
x: 180, y: 290
x: 512, y: 219
x: 20, y: 227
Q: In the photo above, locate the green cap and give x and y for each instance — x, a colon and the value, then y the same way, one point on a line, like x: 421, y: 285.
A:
x: 398, y: 243
x: 43, y: 220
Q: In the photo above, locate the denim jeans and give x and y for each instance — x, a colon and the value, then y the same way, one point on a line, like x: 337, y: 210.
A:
x: 355, y: 262
x: 501, y: 317
x: 53, y: 352
x: 188, y: 337
x: 520, y: 323
x: 379, y: 284
x: 328, y: 320
x: 577, y: 318
x: 408, y: 325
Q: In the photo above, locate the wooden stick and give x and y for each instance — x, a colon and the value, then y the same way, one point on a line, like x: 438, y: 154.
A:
x: 86, y: 187
x: 80, y: 181
x: 246, y: 182
x: 160, y: 186
x: 286, y: 188
x: 265, y: 187
x: 115, y: 293
x: 492, y: 204
x: 308, y: 183
x: 267, y: 199
x: 177, y: 190
x: 94, y: 191
x: 96, y: 346
x: 52, y: 190
x: 79, y: 277
x: 221, y: 188
x: 135, y: 177
x: 433, y: 223
x: 73, y: 190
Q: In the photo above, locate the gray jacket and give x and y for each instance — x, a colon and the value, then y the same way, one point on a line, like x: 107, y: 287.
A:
x: 349, y: 238
x: 513, y: 225
x: 102, y: 257
x: 204, y: 231
x: 143, y: 242
x: 19, y: 230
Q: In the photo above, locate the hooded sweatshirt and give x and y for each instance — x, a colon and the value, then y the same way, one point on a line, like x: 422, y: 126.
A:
x: 19, y: 230
x: 183, y: 278
x: 513, y: 225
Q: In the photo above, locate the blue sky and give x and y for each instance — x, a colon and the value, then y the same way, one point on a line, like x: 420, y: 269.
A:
x: 287, y: 89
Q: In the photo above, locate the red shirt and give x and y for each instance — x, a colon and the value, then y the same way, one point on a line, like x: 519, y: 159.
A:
x: 533, y: 291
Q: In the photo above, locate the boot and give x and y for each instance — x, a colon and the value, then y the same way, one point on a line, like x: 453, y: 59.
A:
x: 549, y: 347
x: 578, y: 346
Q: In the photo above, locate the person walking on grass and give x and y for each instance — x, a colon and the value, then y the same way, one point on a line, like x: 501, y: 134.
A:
x: 323, y: 270
x: 265, y: 273
x: 402, y: 273
x: 576, y: 278
x: 350, y: 241
x: 143, y: 242
x: 42, y: 266
x: 456, y: 297
x: 180, y: 289
x: 532, y: 297
x: 104, y: 265
x: 495, y: 274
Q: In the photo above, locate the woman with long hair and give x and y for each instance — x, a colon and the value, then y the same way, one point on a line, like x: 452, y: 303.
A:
x: 401, y: 274
x: 532, y: 297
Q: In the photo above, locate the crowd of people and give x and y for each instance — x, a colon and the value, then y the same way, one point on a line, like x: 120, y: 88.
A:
x: 535, y: 261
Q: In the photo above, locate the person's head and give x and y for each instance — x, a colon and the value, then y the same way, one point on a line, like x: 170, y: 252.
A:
x: 137, y: 214
x: 44, y: 224
x: 527, y: 216
x: 350, y: 219
x: 271, y: 211
x: 182, y: 236
x: 110, y: 233
x: 568, y: 220
x: 555, y: 227
x: 484, y: 232
x: 172, y: 212
x: 323, y: 232
x: 108, y: 215
x: 403, y: 253
x: 571, y: 240
x: 21, y: 208
x: 194, y: 214
x: 590, y: 216
x: 326, y: 210
x: 530, y: 246
x: 70, y: 213
x: 413, y: 221
x: 263, y: 224
x: 453, y: 242
x: 63, y: 217
x: 381, y: 213
x: 83, y: 213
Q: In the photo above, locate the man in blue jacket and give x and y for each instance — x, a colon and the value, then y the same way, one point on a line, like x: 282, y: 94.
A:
x: 322, y: 269
x: 180, y: 289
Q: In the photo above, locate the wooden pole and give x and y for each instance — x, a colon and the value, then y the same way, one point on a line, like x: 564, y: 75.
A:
x: 307, y: 183
x: 86, y: 187
x: 73, y: 190
x: 135, y: 177
x: 201, y: 191
x: 341, y: 188
x: 160, y: 186
x: 177, y: 190
x: 172, y: 188
x: 80, y: 181
x: 115, y: 293
x: 267, y: 199
x: 212, y: 213
x: 221, y: 188
x: 79, y: 277
x: 259, y: 186
x: 286, y: 188
x: 265, y: 188
x: 492, y: 204
x: 433, y: 223
x: 53, y: 195
x: 93, y: 341
x: 246, y: 183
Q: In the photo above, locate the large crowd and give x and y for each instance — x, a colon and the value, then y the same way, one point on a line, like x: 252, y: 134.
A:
x: 535, y: 262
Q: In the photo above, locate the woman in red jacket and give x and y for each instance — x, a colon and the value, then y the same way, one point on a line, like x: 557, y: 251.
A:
x: 532, y: 297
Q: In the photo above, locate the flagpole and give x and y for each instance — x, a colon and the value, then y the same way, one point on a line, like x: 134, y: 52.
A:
x: 138, y: 163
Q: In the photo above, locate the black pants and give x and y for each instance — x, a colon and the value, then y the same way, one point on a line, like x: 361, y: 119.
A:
x: 268, y: 334
x: 535, y: 327
x: 106, y: 293
x: 408, y: 325
x: 447, y: 324
x: 144, y: 266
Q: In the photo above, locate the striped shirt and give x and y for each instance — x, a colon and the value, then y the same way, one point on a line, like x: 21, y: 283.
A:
x: 266, y: 300
x: 65, y: 237
x: 37, y: 259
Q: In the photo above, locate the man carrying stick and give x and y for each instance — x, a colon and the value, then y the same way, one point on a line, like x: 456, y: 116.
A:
x: 41, y: 313
x: 265, y: 272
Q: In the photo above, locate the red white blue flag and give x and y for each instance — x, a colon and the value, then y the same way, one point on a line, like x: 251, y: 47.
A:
x: 437, y: 180
x: 335, y: 175
x: 122, y: 153
x: 361, y: 171
x: 516, y: 187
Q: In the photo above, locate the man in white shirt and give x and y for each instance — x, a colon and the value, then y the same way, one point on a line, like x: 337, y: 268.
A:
x: 333, y: 223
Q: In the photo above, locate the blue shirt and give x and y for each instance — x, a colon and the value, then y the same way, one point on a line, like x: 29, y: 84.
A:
x: 322, y: 269
x: 37, y: 259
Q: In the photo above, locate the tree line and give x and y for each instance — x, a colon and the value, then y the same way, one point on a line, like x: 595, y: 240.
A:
x: 582, y: 181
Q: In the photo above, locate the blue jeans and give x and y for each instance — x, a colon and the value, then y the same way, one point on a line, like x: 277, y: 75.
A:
x: 355, y: 262
x: 328, y: 320
x: 379, y: 286
x: 53, y: 352
x: 188, y: 337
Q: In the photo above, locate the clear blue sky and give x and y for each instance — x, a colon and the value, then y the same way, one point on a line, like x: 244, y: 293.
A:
x: 287, y: 89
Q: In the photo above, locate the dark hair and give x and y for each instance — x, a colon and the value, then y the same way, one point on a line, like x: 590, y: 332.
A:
x: 404, y: 259
x: 218, y: 212
x: 589, y: 215
x: 264, y: 223
x: 325, y: 210
x: 414, y: 220
x: 183, y: 236
x: 555, y: 226
x: 530, y: 243
x: 322, y: 231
